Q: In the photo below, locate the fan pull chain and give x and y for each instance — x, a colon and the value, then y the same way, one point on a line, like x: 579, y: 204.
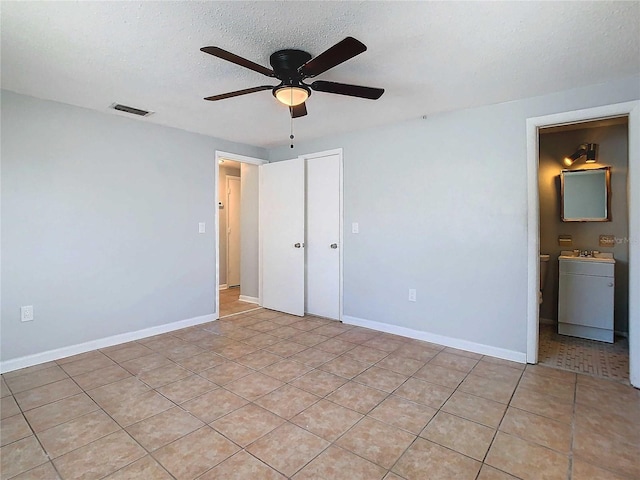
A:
x: 291, y: 136
x: 291, y: 111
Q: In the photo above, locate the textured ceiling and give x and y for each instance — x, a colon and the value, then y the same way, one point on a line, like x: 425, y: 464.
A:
x: 429, y: 56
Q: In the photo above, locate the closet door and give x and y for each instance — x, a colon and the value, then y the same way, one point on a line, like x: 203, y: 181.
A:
x: 282, y: 221
x: 323, y: 236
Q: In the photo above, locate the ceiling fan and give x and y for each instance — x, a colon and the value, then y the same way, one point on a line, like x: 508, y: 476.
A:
x: 292, y: 67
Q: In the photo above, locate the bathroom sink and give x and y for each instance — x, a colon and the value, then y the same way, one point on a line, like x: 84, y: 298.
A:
x: 595, y: 257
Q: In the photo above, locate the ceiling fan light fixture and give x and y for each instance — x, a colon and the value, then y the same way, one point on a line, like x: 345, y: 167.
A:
x: 291, y: 95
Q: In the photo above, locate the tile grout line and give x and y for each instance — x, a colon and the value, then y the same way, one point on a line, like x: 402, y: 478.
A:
x: 504, y: 414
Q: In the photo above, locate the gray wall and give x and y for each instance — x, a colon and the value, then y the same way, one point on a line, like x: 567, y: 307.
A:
x: 100, y: 224
x: 249, y: 245
x: 223, y: 172
x: 442, y: 208
x: 613, y: 151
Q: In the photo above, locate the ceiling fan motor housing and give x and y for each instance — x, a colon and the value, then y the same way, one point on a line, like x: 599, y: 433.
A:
x: 285, y: 64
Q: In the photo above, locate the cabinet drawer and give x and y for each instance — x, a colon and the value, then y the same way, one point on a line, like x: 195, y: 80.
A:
x: 586, y: 267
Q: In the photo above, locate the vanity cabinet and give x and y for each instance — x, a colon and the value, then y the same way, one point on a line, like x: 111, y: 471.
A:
x: 585, y: 298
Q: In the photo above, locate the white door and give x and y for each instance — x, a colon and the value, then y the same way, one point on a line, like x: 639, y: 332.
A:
x: 233, y: 231
x: 282, y: 235
x: 323, y: 236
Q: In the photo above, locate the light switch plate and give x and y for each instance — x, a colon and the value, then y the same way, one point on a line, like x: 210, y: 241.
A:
x: 202, y: 228
x: 26, y: 313
x: 355, y: 228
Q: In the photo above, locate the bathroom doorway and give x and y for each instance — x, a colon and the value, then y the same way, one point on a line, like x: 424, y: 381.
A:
x: 581, y: 352
x: 545, y: 140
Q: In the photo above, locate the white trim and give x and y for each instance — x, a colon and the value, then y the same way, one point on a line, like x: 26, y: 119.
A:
x: 632, y: 110
x: 326, y: 153
x: 224, y: 286
x: 243, y: 159
x: 533, y: 243
x: 479, y: 348
x: 245, y: 298
x: 634, y: 244
x: 239, y: 158
x: 58, y: 353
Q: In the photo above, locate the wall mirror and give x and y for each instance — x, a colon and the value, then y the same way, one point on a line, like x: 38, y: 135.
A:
x: 586, y: 195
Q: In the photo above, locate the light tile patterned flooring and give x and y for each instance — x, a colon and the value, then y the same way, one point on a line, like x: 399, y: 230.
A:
x: 264, y: 395
x: 230, y: 302
x: 606, y: 360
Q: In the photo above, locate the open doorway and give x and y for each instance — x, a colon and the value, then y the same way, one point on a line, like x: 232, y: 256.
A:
x: 584, y: 314
x: 237, y: 246
x: 631, y: 111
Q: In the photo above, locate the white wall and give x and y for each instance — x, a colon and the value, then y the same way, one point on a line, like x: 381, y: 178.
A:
x: 100, y: 224
x: 613, y: 152
x: 442, y: 208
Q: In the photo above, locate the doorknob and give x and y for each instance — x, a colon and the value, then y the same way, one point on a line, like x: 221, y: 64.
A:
x: 334, y: 245
x: 298, y: 245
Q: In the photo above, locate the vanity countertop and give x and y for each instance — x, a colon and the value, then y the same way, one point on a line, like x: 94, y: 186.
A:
x: 596, y: 257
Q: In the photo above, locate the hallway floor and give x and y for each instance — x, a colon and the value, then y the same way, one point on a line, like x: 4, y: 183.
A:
x: 230, y: 302
x: 265, y: 395
x: 605, y: 360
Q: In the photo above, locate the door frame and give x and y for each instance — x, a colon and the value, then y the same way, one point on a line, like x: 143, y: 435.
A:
x: 325, y: 153
x: 220, y: 155
x: 632, y: 111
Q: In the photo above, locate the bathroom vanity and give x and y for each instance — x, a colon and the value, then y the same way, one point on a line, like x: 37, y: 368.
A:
x: 585, y: 296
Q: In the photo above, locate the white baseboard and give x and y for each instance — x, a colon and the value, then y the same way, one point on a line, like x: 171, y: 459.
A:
x: 58, y: 353
x: 479, y: 348
x: 246, y: 298
x: 224, y: 286
x: 547, y: 321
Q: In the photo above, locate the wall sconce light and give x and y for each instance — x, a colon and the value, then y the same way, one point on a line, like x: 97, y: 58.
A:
x: 590, y: 150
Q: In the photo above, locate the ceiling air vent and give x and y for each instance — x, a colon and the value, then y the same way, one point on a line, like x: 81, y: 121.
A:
x: 131, y: 110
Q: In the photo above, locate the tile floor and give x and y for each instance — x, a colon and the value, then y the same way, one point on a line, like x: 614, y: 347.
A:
x: 606, y: 360
x: 230, y: 302
x: 264, y: 395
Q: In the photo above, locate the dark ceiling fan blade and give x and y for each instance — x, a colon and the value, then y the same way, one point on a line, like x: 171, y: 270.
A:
x: 346, y: 89
x: 233, y: 58
x: 237, y: 93
x: 340, y: 52
x: 298, y: 110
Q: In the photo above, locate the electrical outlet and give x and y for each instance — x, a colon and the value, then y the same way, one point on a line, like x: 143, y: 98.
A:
x: 412, y: 294
x: 26, y: 313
